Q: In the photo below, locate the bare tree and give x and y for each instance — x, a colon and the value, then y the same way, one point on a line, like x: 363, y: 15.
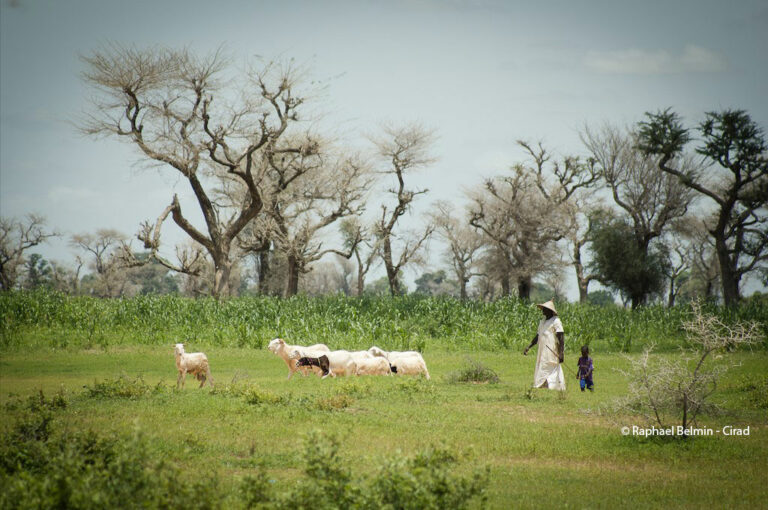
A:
x: 16, y: 237
x: 702, y: 259
x: 334, y: 191
x: 66, y: 278
x: 325, y: 278
x: 465, y: 245
x: 578, y: 236
x: 525, y: 214
x: 173, y: 107
x: 651, y: 198
x: 364, y: 248
x: 679, y: 265
x: 737, y: 182
x: 404, y: 149
x: 105, y: 250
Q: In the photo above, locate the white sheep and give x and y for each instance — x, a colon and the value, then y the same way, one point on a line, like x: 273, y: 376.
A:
x: 361, y: 355
x: 372, y: 366
x: 340, y: 362
x: 410, y: 365
x: 195, y: 363
x: 285, y: 351
x: 405, y: 362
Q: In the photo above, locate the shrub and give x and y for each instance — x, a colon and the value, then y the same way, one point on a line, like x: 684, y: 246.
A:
x: 86, y: 470
x: 123, y: 387
x: 334, y: 402
x: 474, y: 372
x: 426, y: 480
x: 251, y: 393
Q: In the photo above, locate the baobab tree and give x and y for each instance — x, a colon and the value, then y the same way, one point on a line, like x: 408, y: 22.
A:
x: 300, y: 215
x: 304, y: 195
x: 189, y: 115
x: 526, y: 213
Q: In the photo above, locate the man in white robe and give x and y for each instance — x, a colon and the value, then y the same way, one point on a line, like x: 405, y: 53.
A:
x: 551, y: 340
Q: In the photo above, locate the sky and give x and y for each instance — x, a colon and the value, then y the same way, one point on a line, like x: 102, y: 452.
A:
x: 481, y: 73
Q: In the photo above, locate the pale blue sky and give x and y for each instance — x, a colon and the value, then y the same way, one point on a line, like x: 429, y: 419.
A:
x: 481, y: 73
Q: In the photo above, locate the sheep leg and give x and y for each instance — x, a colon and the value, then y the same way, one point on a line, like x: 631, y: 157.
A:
x: 202, y: 380
x: 209, y: 376
x: 181, y: 379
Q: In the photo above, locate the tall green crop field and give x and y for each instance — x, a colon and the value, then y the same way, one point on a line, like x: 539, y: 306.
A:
x: 45, y: 319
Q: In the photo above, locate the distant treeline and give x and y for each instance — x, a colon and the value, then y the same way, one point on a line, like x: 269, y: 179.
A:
x: 50, y: 319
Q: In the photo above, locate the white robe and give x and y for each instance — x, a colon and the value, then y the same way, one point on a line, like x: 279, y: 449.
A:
x: 549, y: 373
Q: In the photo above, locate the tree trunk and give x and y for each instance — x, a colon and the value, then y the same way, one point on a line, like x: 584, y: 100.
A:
x: 581, y: 281
x: 583, y: 291
x: 524, y: 285
x: 264, y: 268
x: 728, y: 275
x: 671, y: 297
x: 505, y: 288
x: 292, y: 283
x: 360, y: 281
x: 394, y: 285
x: 222, y: 270
x: 463, y: 288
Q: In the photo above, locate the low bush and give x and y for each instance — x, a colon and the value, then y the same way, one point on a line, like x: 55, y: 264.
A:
x: 89, y: 471
x: 334, y: 402
x: 251, y: 393
x: 123, y: 387
x: 426, y: 480
x: 474, y: 372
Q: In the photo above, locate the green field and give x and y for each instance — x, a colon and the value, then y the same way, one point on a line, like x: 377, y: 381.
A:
x: 540, y: 447
x: 111, y: 426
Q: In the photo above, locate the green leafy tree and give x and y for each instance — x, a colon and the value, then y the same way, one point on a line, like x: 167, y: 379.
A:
x: 38, y: 272
x: 624, y: 265
x: 436, y: 284
x: 600, y: 298
x: 737, y: 182
x: 381, y: 287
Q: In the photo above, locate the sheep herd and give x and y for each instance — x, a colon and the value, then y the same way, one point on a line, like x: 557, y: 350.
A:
x: 316, y: 358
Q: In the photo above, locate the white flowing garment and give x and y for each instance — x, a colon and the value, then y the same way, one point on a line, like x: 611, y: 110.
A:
x: 549, y: 373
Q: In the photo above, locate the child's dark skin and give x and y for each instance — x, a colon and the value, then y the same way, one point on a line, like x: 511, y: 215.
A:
x: 585, y: 379
x: 584, y: 354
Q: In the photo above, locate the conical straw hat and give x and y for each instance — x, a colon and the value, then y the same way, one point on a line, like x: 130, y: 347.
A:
x: 549, y: 305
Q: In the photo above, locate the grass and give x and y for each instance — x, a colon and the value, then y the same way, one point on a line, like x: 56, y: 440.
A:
x: 540, y: 446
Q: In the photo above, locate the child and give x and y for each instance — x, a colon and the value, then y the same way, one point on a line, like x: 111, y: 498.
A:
x: 584, y: 375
